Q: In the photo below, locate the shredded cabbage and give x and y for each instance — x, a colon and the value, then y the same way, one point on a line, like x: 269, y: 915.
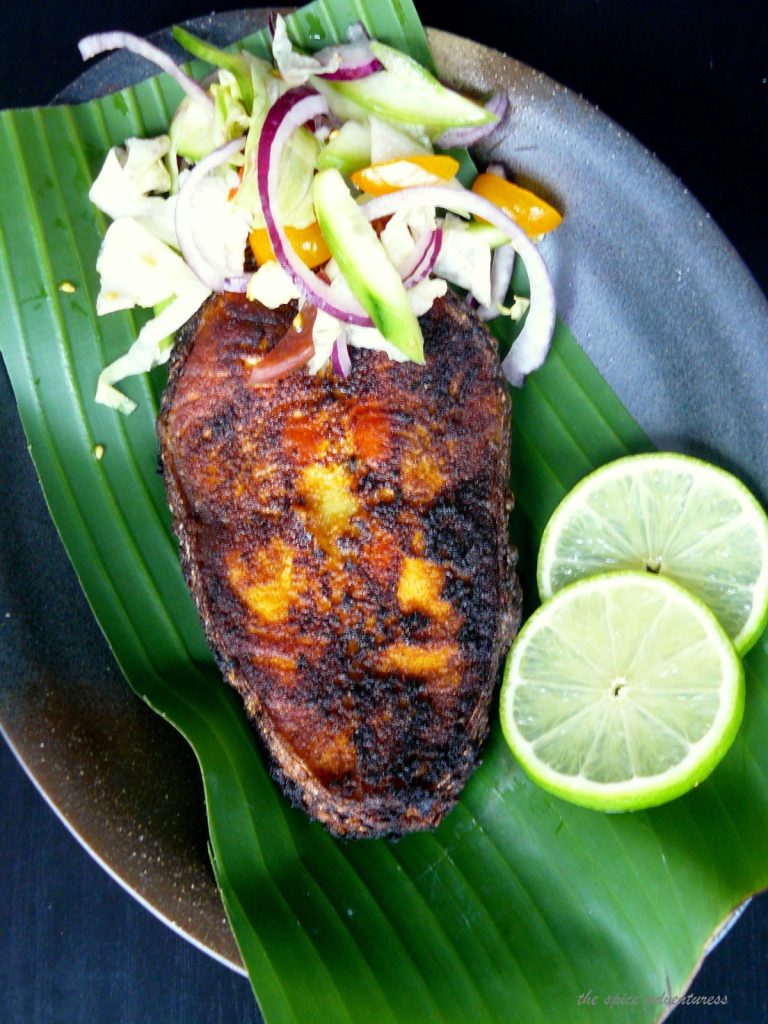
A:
x: 137, y: 269
x: 271, y: 286
x: 294, y: 67
x: 220, y: 226
x: 403, y: 229
x: 465, y: 259
x: 152, y: 347
x: 128, y: 177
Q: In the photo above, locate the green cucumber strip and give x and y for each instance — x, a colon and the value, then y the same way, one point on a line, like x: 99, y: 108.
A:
x: 365, y: 265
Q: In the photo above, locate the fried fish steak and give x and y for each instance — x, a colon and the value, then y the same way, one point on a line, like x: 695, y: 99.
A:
x: 345, y: 541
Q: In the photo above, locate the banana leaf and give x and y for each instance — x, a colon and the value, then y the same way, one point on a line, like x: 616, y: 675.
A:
x: 519, y: 906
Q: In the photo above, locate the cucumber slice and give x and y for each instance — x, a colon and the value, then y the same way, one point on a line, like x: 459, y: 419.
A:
x: 409, y: 95
x: 345, y: 109
x: 342, y: 107
x: 492, y: 237
x: 388, y: 143
x: 365, y: 265
x: 348, y: 150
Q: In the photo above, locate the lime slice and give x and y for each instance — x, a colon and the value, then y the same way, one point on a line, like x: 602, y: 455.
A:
x: 621, y: 692
x: 672, y: 515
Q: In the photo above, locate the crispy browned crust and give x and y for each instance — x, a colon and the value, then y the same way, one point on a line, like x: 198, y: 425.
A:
x: 345, y: 541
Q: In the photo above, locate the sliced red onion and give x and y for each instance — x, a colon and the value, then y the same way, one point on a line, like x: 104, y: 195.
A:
x: 321, y: 127
x: 501, y: 274
x: 293, y: 109
x: 102, y: 42
x: 421, y: 245
x: 532, y: 344
x: 498, y: 104
x: 272, y: 24
x: 184, y: 221
x: 342, y: 364
x: 427, y: 258
x: 357, y: 61
x: 357, y: 33
x: 455, y: 138
x: 524, y: 356
x: 236, y: 283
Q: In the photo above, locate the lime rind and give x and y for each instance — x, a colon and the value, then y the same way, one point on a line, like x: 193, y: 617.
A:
x: 668, y: 513
x: 680, y: 703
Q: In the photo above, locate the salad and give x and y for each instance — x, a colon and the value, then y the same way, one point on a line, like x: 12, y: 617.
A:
x: 336, y: 179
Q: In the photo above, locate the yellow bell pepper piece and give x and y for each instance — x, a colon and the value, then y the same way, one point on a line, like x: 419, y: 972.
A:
x: 308, y: 243
x: 403, y: 172
x: 533, y: 215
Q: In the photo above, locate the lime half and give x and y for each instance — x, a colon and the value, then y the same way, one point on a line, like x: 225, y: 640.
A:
x: 671, y: 515
x: 621, y: 692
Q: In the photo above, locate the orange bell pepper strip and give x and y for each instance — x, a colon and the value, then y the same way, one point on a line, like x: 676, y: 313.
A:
x: 533, y: 215
x: 392, y: 175
x: 308, y: 243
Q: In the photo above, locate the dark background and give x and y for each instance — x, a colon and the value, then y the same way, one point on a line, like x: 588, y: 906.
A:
x: 688, y: 78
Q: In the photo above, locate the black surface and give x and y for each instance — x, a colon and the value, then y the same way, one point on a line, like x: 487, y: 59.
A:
x: 688, y: 79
